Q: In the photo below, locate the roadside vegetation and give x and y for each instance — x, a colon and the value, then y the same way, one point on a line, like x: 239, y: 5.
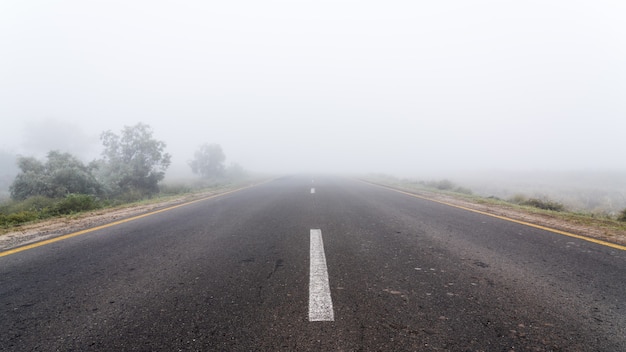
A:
x: 14, y: 213
x: 131, y: 170
x: 622, y: 216
x: 543, y: 203
x: 536, y: 205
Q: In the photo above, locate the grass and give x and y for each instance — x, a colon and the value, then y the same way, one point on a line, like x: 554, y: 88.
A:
x: 622, y: 216
x: 545, y: 204
x: 519, y: 202
x: 15, y: 213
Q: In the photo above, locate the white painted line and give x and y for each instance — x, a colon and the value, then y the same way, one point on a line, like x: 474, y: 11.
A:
x: 312, y: 190
x: 320, y: 302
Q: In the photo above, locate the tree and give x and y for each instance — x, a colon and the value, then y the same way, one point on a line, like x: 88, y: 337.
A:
x: 235, y: 172
x: 60, y: 175
x: 208, y: 161
x: 132, y: 161
x: 8, y: 171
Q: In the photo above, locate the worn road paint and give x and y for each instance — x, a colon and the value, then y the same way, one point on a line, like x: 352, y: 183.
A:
x: 320, y: 302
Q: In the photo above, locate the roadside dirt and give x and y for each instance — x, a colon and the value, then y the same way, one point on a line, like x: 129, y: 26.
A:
x: 42, y: 230
x: 601, y: 230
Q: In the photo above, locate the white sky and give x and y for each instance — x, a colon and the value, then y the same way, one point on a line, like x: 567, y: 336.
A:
x: 404, y: 87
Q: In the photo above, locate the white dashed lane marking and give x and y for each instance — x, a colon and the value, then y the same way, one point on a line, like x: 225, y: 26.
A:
x: 320, y: 302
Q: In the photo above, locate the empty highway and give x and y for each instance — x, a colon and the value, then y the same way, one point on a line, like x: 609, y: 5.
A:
x: 315, y: 263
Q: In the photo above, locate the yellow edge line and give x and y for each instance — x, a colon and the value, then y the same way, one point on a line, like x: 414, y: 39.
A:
x: 82, y: 232
x: 585, y: 238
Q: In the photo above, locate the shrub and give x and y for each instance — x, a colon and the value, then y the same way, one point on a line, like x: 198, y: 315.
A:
x: 463, y: 190
x: 545, y: 204
x: 518, y: 199
x: 444, y: 185
x: 35, y: 204
x: 174, y: 189
x: 622, y: 216
x: 18, y: 218
x: 131, y: 196
x: 74, y: 203
x: 62, y: 173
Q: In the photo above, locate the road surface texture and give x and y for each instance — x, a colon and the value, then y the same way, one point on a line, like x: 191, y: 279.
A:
x: 235, y: 273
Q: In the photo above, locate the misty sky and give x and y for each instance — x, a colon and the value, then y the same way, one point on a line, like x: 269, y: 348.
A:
x: 404, y: 87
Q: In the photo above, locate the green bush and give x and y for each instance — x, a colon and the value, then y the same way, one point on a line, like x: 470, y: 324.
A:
x: 18, y: 218
x: 131, y: 196
x: 33, y: 204
x: 62, y: 173
x: 39, y: 207
x: 74, y: 203
x: 544, y: 204
x: 622, y: 216
x: 518, y: 199
x: 174, y: 189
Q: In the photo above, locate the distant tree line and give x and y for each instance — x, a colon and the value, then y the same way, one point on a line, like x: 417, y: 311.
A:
x: 208, y: 163
x: 132, y: 164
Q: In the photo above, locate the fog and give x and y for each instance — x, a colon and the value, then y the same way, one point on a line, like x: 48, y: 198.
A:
x: 410, y: 88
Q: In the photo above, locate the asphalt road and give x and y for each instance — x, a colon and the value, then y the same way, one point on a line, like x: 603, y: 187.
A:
x: 232, y: 273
